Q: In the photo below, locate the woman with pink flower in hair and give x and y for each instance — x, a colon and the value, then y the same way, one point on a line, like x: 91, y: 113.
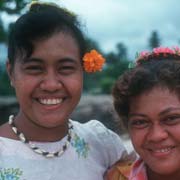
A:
x: 147, y: 100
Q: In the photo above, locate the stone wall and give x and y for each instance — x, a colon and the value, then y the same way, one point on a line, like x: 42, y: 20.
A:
x: 90, y: 107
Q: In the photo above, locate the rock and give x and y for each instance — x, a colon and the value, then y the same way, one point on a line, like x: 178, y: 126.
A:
x: 98, y: 107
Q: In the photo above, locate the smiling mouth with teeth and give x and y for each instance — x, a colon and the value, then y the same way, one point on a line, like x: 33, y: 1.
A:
x: 50, y: 101
x: 163, y: 150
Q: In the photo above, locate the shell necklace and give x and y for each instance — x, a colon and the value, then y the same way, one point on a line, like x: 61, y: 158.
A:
x: 37, y: 149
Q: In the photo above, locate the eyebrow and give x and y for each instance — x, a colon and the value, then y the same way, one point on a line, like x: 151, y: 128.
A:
x: 38, y: 60
x: 136, y: 114
x: 160, y: 114
x: 168, y: 110
x: 29, y: 60
x: 68, y: 60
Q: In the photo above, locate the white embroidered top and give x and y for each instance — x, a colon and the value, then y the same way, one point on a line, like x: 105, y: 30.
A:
x: 92, y: 150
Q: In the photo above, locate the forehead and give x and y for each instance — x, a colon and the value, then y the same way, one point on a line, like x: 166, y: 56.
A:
x: 155, y: 100
x: 63, y: 42
x: 55, y: 47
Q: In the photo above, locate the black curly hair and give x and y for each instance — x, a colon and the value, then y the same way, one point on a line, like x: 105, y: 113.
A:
x: 41, y: 21
x: 158, y: 71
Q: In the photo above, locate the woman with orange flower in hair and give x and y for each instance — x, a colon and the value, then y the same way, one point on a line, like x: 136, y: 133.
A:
x: 147, y: 99
x: 45, y: 66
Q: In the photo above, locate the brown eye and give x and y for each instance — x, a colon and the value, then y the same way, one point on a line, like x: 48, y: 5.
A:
x: 172, y: 120
x: 139, y: 123
x: 33, y: 69
x: 66, y: 69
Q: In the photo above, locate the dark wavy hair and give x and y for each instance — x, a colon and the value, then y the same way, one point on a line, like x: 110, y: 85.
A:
x: 163, y: 72
x: 40, y: 22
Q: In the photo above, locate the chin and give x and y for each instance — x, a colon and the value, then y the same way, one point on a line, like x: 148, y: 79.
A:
x: 165, y: 170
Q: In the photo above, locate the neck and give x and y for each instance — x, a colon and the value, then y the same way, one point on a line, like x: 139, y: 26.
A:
x: 37, y: 149
x: 36, y: 132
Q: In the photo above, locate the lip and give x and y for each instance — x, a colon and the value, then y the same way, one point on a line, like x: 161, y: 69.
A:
x: 50, y: 103
x: 161, y: 151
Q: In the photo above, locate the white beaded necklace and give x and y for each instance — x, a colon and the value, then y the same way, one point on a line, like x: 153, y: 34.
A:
x: 37, y: 149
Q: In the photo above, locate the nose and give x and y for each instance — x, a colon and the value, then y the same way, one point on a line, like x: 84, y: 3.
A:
x: 50, y: 82
x: 157, y: 133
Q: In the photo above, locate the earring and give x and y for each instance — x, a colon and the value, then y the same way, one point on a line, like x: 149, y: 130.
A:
x: 11, y: 83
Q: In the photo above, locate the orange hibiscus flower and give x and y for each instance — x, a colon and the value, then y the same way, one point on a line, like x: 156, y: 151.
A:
x: 93, y: 61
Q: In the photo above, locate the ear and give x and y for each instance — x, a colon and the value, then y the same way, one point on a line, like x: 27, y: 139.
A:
x: 9, y: 70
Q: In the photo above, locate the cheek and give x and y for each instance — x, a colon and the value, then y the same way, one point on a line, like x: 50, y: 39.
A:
x: 77, y: 89
x: 174, y: 132
x: 21, y: 91
x: 25, y: 86
x: 137, y: 138
x: 19, y: 86
x: 75, y: 85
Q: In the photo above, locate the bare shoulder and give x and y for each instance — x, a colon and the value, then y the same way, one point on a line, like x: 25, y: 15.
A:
x: 6, y: 131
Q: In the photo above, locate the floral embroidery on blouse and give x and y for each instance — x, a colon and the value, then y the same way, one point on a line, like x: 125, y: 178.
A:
x: 82, y: 147
x: 10, y: 174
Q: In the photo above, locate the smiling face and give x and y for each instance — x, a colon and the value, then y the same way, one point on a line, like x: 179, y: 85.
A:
x: 154, y: 127
x: 49, y: 83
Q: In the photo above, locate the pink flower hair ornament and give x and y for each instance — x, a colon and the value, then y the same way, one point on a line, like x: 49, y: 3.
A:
x: 158, y: 53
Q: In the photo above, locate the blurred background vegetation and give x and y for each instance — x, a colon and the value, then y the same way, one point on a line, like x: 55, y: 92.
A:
x: 99, y: 83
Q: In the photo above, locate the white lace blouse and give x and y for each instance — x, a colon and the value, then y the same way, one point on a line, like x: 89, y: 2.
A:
x: 92, y: 150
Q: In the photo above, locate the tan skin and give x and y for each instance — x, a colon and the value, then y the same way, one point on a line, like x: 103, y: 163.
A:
x: 48, y: 87
x: 154, y: 127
